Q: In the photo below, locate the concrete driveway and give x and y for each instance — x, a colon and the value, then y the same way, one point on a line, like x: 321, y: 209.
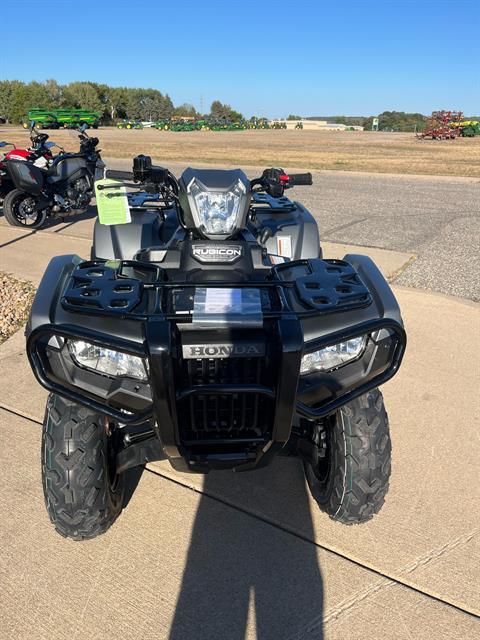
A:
x: 250, y: 555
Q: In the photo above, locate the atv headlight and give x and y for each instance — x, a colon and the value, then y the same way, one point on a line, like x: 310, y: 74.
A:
x: 217, y: 213
x: 103, y: 360
x: 333, y: 356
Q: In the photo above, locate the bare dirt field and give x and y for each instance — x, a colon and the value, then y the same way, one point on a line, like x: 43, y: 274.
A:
x: 363, y: 151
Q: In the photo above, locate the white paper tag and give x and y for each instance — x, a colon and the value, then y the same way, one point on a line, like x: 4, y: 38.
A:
x: 223, y: 301
x: 284, y: 246
x: 222, y: 307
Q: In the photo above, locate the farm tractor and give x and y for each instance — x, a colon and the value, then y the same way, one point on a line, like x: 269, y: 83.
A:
x: 162, y: 125
x: 129, y: 124
x: 258, y: 123
x: 468, y: 128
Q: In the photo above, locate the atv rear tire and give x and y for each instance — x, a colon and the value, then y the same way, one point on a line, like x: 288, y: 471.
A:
x: 12, y: 210
x: 351, y: 482
x: 83, y: 493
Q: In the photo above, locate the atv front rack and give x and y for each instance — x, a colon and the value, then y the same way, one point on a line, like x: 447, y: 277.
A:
x: 110, y: 288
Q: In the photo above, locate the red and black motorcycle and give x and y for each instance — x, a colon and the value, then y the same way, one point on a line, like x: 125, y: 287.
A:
x: 64, y: 187
x: 39, y: 153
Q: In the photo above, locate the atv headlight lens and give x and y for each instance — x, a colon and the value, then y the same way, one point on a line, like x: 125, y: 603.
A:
x: 103, y: 360
x: 333, y: 356
x: 217, y: 212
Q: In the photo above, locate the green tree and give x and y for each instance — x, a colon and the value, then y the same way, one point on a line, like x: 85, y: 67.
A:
x: 224, y: 111
x: 397, y: 121
x: 292, y: 117
x: 186, y: 110
x: 12, y: 100
x: 114, y: 100
x: 82, y: 95
x: 54, y: 92
x: 37, y: 96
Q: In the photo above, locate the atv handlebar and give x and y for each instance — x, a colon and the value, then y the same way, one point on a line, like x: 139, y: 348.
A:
x: 158, y: 179
x: 275, y: 181
x: 119, y: 175
x: 299, y: 179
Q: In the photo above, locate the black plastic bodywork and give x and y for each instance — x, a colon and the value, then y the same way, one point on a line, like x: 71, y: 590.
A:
x: 213, y: 412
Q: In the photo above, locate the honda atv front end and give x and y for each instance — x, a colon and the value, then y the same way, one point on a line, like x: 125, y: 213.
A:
x: 126, y: 340
x: 211, y: 332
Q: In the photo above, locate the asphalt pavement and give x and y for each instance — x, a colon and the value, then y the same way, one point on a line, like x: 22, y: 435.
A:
x: 434, y: 219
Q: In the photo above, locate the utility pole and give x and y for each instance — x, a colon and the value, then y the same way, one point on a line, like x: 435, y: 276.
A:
x: 201, y: 104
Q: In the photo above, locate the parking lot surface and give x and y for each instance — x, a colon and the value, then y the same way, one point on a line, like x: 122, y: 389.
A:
x: 250, y: 555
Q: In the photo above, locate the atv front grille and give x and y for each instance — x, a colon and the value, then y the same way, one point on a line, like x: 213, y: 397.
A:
x: 230, y: 416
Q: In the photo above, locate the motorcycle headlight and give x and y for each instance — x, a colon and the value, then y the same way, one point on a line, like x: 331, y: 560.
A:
x: 333, y: 356
x: 216, y: 213
x: 103, y: 360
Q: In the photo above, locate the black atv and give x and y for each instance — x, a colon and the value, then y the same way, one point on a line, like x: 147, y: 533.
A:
x: 209, y: 331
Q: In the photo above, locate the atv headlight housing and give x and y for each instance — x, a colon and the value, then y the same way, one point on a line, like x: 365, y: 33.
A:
x: 217, y: 213
x: 106, y: 361
x: 333, y: 356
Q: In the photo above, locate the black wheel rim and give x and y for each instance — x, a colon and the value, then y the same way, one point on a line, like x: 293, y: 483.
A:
x: 21, y: 210
x: 322, y: 469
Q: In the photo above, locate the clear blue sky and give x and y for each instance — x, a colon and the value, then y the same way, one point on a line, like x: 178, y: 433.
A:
x: 267, y: 58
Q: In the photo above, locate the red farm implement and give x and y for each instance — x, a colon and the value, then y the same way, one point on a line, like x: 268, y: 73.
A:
x: 442, y: 125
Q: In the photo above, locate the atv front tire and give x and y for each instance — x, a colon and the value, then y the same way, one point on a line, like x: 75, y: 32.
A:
x: 83, y: 493
x: 351, y: 482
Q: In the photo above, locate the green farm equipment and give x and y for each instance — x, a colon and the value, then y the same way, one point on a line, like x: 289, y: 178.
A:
x: 222, y: 124
x: 162, y: 125
x: 258, y: 123
x: 183, y: 125
x: 203, y: 124
x: 129, y: 124
x: 61, y: 118
x: 469, y: 128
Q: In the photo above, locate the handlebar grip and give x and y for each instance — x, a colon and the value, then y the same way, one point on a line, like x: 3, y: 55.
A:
x: 118, y: 175
x: 299, y: 179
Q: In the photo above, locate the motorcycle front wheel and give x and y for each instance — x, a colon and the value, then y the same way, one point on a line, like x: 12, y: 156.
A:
x: 19, y: 210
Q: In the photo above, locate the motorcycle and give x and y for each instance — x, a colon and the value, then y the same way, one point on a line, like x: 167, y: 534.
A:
x: 63, y: 188
x: 40, y: 153
x: 210, y: 331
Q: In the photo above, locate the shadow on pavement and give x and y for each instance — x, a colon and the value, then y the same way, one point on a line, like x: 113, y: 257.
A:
x: 245, y: 577
x: 131, y: 482
x: 66, y: 221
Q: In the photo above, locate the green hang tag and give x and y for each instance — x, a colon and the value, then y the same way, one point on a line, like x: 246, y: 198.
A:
x: 112, y: 203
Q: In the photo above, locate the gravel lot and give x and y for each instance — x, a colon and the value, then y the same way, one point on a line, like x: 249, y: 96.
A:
x: 16, y: 297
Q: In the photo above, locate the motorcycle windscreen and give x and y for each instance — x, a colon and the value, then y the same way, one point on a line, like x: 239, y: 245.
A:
x: 25, y: 176
x: 223, y: 307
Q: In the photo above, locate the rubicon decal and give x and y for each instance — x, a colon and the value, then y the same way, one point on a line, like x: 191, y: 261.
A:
x: 193, y: 351
x: 217, y: 252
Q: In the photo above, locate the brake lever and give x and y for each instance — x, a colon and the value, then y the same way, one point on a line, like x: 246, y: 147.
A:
x: 101, y: 187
